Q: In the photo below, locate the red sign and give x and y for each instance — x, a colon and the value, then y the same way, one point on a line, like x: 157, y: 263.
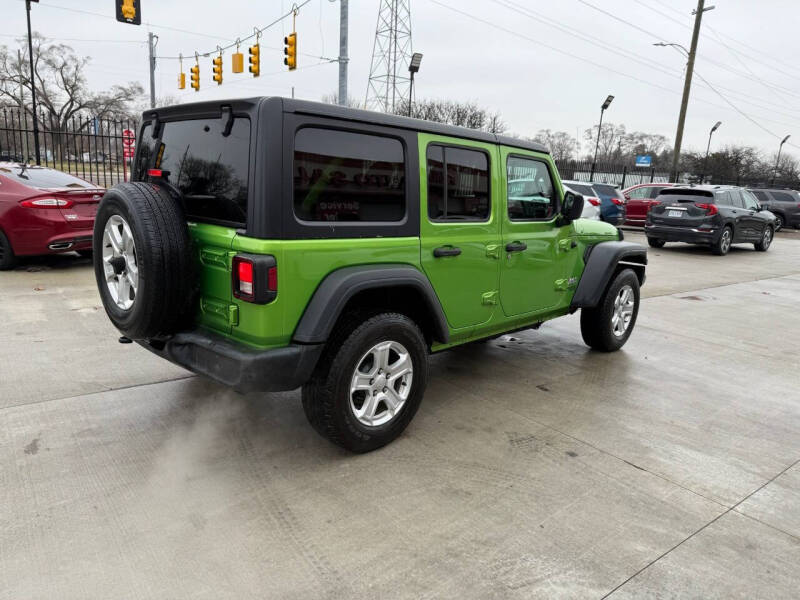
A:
x: 128, y: 152
x: 128, y: 137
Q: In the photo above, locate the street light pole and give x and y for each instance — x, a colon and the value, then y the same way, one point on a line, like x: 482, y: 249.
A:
x: 687, y: 85
x: 599, y: 129
x: 708, y: 147
x: 33, y: 85
x: 778, y: 160
x: 343, y: 59
x: 413, y: 67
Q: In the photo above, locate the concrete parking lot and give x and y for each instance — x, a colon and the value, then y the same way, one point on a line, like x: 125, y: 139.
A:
x: 535, y: 468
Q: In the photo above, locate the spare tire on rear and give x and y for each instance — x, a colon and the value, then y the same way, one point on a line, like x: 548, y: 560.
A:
x: 143, y: 261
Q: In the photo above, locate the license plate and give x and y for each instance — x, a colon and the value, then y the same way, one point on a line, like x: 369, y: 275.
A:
x: 675, y: 213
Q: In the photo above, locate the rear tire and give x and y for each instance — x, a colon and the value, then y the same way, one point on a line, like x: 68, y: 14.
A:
x: 766, y: 240
x: 349, y: 400
x: 608, y: 326
x: 7, y: 259
x: 156, y: 261
x: 655, y: 242
x: 723, y: 244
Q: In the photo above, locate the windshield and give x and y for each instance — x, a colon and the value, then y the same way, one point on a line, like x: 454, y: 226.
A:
x: 583, y: 190
x: 44, y: 178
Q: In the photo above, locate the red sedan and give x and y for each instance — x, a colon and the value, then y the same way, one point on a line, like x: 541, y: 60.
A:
x: 639, y: 198
x: 44, y: 211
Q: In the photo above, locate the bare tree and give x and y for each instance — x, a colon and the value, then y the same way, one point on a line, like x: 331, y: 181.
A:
x: 561, y: 144
x: 463, y: 114
x: 333, y: 98
x: 610, y: 146
x: 62, y: 90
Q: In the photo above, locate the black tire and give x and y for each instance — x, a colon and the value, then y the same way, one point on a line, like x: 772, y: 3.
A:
x: 766, y: 240
x: 655, y: 242
x: 7, y: 259
x: 85, y: 253
x: 596, y: 323
x: 779, y: 221
x: 327, y: 395
x: 722, y: 246
x: 163, y: 302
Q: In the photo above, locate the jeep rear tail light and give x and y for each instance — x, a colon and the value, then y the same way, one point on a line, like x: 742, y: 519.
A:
x: 255, y: 278
x: 594, y: 201
x: 711, y: 209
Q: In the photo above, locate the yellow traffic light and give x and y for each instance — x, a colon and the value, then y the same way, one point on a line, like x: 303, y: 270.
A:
x: 217, y: 68
x: 181, y: 81
x: 195, y: 77
x: 255, y: 61
x: 237, y: 65
x: 290, y: 50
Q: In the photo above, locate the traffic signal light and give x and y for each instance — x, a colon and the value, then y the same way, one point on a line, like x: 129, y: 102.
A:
x: 181, y: 81
x: 237, y: 65
x: 290, y: 50
x: 217, y: 68
x: 128, y: 12
x: 195, y: 77
x: 255, y: 61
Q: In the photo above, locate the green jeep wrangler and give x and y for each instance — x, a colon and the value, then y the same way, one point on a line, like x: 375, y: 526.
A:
x: 270, y: 243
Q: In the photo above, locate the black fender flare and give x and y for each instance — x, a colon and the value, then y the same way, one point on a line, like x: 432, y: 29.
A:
x: 602, y: 261
x: 338, y: 287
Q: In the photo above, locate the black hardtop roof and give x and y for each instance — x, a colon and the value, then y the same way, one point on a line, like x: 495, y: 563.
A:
x: 212, y: 107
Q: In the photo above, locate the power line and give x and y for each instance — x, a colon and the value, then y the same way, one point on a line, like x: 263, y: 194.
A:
x: 60, y: 39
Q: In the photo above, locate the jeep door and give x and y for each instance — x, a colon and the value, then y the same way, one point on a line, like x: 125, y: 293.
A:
x: 459, y: 229
x: 539, y: 257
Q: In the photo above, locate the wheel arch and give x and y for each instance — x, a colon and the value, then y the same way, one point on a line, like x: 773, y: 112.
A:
x: 602, y: 262
x: 392, y: 287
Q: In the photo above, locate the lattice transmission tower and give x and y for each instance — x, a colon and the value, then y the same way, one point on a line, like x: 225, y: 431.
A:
x: 389, y: 81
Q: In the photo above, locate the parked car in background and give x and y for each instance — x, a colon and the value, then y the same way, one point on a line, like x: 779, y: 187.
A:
x: 638, y: 200
x: 591, y: 201
x: 717, y: 216
x: 784, y: 204
x: 612, y: 203
x: 44, y: 211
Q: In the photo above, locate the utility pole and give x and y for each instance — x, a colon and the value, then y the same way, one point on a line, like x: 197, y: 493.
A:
x: 343, y: 53
x: 151, y: 43
x: 33, y: 85
x: 687, y: 85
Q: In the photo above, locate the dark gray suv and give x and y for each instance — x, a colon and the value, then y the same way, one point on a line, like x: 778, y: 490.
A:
x: 784, y: 204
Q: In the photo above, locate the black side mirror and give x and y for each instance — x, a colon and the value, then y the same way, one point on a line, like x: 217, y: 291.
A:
x: 572, y: 207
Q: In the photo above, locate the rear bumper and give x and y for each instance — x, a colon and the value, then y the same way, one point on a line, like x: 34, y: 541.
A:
x: 238, y: 366
x: 690, y: 235
x: 614, y: 219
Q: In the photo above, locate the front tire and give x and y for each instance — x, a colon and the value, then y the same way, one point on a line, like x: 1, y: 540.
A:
x: 608, y: 326
x: 723, y: 244
x: 655, y: 242
x: 369, y: 382
x: 766, y: 240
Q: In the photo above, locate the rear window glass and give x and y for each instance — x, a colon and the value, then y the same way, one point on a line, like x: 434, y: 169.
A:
x: 583, y: 190
x: 43, y: 178
x: 783, y: 197
x: 606, y: 192
x: 686, y: 192
x: 210, y: 170
x: 144, y: 153
x: 346, y: 176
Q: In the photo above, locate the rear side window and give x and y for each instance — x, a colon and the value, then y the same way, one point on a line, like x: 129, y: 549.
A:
x: 607, y: 192
x: 346, y: 176
x: 210, y: 170
x: 782, y: 197
x: 458, y: 184
x: 736, y: 199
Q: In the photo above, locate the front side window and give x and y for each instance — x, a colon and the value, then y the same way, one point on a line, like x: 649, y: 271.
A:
x: 749, y: 200
x: 762, y: 197
x: 458, y: 184
x: 530, y: 190
x: 642, y: 192
x: 736, y: 199
x: 209, y: 169
x: 342, y: 176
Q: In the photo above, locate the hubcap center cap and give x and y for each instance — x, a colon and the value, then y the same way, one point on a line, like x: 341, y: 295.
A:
x: 118, y: 264
x: 380, y: 382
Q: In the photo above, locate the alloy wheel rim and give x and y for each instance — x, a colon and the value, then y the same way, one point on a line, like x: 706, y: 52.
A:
x: 381, y: 383
x: 622, y: 315
x: 767, y: 237
x: 120, y: 266
x: 726, y: 240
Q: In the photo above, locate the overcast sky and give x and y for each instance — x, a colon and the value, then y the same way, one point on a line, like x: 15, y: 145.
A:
x: 540, y: 64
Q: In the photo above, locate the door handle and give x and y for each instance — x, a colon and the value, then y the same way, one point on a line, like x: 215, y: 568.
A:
x: 446, y: 251
x: 516, y: 246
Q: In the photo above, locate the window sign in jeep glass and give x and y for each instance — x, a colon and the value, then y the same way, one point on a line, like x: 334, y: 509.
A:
x: 210, y: 170
x: 346, y: 176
